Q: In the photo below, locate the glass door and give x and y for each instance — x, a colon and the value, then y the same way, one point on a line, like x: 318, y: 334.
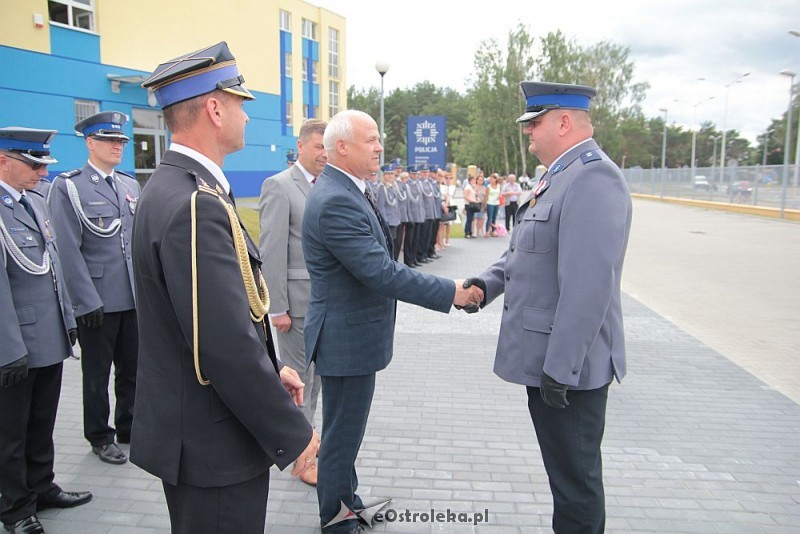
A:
x: 149, y: 142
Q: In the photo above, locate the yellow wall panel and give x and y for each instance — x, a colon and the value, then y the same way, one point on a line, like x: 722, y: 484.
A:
x: 17, y: 28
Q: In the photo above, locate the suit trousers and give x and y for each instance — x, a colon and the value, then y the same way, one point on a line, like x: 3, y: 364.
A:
x: 293, y: 353
x: 346, y: 402
x: 409, y: 255
x: 570, y: 440
x: 116, y: 341
x: 27, y: 418
x: 235, y: 509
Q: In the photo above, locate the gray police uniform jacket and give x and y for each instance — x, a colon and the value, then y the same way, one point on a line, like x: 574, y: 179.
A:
x: 389, y: 205
x: 416, y: 206
x: 35, y: 310
x: 281, y: 207
x: 402, y: 201
x: 428, y: 198
x: 98, y: 269
x: 561, y: 276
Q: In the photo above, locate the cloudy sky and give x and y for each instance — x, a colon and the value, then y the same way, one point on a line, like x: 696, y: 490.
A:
x: 672, y: 43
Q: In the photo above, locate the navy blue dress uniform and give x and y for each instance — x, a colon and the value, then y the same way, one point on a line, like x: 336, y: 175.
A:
x: 37, y: 328
x: 561, y: 332
x: 211, y: 413
x: 93, y: 213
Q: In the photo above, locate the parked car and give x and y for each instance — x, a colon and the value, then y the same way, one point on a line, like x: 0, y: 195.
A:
x: 742, y: 187
x: 701, y: 182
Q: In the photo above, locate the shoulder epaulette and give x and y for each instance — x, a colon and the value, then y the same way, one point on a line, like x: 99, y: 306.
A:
x: 35, y: 191
x: 590, y: 155
x: 123, y: 173
x: 202, y: 185
x: 69, y: 174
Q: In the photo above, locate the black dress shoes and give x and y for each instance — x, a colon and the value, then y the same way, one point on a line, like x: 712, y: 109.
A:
x: 64, y: 499
x: 110, y: 454
x: 29, y: 525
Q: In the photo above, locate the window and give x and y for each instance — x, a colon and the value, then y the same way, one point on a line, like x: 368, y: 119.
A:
x: 305, y: 70
x: 287, y: 67
x: 315, y: 71
x: 76, y: 13
x: 286, y: 21
x: 333, y: 98
x: 85, y: 109
x: 306, y: 111
x: 309, y: 29
x: 333, y: 52
x: 289, y: 121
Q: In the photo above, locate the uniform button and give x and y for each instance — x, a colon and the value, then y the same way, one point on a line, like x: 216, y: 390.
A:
x: 574, y: 371
x: 505, y: 306
x: 508, y: 277
x: 512, y: 248
x: 280, y: 452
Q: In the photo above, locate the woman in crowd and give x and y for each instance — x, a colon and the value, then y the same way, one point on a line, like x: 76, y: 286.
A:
x: 492, y: 204
x: 470, y: 197
x: 480, y: 216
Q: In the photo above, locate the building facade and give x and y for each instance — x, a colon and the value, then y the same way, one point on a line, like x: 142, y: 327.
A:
x: 63, y: 60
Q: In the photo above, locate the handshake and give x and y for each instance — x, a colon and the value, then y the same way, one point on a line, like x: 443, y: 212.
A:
x: 470, y: 295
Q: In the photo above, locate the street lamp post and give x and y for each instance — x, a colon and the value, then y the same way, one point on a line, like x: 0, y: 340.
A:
x: 382, y: 67
x: 694, y: 133
x: 725, y: 122
x: 791, y: 75
x: 797, y: 148
x: 663, y: 151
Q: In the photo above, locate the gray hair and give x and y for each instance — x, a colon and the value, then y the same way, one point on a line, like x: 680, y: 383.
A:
x: 341, y: 127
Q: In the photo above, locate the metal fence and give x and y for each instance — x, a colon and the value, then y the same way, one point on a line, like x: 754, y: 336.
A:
x: 757, y: 185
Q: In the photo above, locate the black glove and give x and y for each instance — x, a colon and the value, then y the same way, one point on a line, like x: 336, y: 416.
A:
x: 554, y: 394
x: 73, y: 336
x: 469, y: 282
x: 93, y: 319
x: 13, y: 373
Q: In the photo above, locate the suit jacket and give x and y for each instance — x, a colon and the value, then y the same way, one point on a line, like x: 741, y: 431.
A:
x: 355, y: 284
x: 561, y: 276
x: 35, y: 310
x: 244, y: 421
x: 281, y: 207
x: 98, y: 270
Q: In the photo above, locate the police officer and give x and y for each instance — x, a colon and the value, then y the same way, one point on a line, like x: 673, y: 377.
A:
x: 213, y: 412
x: 389, y: 206
x: 37, y: 329
x: 416, y: 214
x: 561, y: 332
x: 93, y: 210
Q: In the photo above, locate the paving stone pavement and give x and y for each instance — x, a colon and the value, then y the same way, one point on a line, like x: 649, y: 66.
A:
x: 693, y: 443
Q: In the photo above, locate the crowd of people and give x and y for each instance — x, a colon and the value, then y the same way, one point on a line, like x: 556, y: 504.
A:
x: 483, y: 202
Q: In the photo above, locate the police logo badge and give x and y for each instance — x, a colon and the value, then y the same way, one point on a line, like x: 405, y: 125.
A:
x: 7, y: 201
x: 95, y: 179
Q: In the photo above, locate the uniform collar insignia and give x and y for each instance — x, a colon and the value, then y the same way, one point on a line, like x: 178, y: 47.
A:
x: 95, y: 179
x: 555, y: 170
x: 7, y: 201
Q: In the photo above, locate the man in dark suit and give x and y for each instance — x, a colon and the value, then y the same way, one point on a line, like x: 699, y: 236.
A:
x: 349, y: 327
x: 281, y: 206
x: 561, y: 333
x: 93, y: 209
x: 212, y: 410
x: 37, y: 329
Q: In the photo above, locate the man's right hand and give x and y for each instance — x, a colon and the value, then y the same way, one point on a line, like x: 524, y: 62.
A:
x: 93, y: 319
x: 308, y: 458
x: 468, y: 295
x: 14, y: 373
x: 475, y: 283
x: 282, y: 323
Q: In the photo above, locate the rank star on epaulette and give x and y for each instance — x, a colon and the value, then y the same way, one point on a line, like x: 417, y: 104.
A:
x: 589, y: 156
